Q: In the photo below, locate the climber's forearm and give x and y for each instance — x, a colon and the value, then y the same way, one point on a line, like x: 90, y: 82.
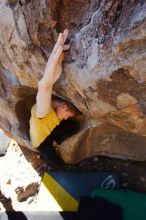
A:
x: 44, y: 95
x: 43, y: 99
x: 48, y: 77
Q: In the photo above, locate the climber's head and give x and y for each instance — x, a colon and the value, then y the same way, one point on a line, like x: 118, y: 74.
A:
x: 65, y: 110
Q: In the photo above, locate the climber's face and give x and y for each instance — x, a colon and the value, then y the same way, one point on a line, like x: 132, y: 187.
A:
x: 63, y: 112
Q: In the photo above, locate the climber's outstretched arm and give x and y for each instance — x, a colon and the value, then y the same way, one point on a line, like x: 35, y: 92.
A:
x: 51, y: 75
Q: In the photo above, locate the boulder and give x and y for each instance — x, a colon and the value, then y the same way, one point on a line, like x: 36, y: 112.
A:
x: 103, y: 76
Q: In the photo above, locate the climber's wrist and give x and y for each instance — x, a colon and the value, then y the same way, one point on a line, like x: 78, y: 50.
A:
x: 45, y: 84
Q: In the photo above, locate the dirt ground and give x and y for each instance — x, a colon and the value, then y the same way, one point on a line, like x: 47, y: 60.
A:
x: 132, y: 174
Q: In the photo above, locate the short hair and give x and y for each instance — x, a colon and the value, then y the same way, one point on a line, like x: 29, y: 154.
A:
x: 72, y: 108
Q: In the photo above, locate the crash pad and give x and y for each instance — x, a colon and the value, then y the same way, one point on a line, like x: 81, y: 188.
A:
x: 66, y: 188
x: 133, y: 204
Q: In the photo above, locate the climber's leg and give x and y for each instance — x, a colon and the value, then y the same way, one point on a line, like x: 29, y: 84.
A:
x: 48, y: 153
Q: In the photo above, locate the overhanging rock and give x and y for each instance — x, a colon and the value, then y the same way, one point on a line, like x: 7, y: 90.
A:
x: 104, y: 71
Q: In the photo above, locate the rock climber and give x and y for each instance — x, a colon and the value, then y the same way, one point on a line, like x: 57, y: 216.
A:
x: 50, y: 118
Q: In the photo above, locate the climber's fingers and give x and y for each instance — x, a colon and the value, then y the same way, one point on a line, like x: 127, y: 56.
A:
x: 66, y: 47
x: 62, y: 38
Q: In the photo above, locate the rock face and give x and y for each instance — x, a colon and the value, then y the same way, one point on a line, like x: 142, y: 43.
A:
x: 104, y: 71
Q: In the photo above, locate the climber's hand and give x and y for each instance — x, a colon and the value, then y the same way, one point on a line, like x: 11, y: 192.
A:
x: 54, y: 65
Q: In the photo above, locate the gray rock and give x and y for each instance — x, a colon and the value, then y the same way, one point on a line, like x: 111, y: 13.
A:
x: 4, y: 143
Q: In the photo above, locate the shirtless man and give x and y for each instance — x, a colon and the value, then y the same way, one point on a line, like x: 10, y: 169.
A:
x: 46, y: 123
